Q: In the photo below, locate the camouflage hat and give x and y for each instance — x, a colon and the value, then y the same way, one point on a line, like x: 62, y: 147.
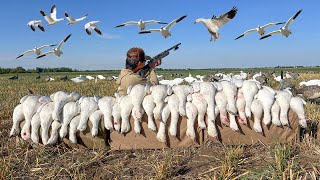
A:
x: 136, y: 53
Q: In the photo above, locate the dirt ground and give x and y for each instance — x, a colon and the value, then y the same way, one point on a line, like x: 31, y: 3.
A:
x: 20, y: 159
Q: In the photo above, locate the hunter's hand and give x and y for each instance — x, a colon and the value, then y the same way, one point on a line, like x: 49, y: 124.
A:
x: 155, y: 63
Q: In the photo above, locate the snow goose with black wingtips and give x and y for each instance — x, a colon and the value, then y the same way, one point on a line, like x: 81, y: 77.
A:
x: 285, y: 29
x: 164, y: 30
x: 32, y: 25
x: 56, y: 51
x: 92, y: 25
x: 52, y: 19
x: 259, y: 29
x: 215, y: 23
x: 36, y: 50
x: 141, y: 24
x: 72, y: 20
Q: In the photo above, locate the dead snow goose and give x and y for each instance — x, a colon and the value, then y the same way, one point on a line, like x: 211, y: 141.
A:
x: 259, y: 29
x: 141, y: 24
x: 215, y: 23
x: 52, y: 19
x: 56, y: 51
x: 72, y: 20
x: 285, y: 29
x: 32, y: 24
x: 164, y: 30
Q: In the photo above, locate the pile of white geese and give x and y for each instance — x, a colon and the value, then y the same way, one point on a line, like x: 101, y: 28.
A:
x: 234, y: 100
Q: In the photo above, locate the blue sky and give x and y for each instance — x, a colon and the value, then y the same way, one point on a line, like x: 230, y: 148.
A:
x: 108, y: 51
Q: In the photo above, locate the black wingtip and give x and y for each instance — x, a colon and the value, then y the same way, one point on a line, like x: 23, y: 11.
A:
x: 67, y: 37
x: 280, y: 23
x: 52, y: 8
x: 42, y: 13
x: 88, y: 31
x: 41, y: 56
x: 119, y: 25
x: 162, y: 23
x: 263, y: 37
x: 297, y: 14
x: 54, y: 45
x: 98, y: 31
x: 181, y: 18
x: 41, y: 28
x: 33, y: 29
x: 144, y: 32
x: 239, y: 37
x: 19, y: 56
x: 66, y: 14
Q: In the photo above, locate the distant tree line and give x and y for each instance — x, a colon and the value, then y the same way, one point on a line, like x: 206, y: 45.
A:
x: 36, y: 70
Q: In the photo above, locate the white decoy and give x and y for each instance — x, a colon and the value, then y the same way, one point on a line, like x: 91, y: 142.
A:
x: 285, y: 31
x: 164, y: 30
x: 215, y: 23
x: 259, y: 29
x: 79, y: 79
x: 72, y: 20
x: 32, y: 24
x: 100, y: 77
x: 141, y: 24
x: 36, y: 50
x: 52, y: 19
x: 90, y: 77
x: 56, y: 51
x: 92, y: 25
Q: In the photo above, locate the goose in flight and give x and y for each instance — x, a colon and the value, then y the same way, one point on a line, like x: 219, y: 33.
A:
x: 36, y: 50
x: 72, y: 20
x: 215, y: 23
x: 164, y: 30
x: 259, y: 29
x: 52, y: 19
x: 92, y: 25
x: 141, y: 24
x: 285, y: 31
x: 56, y: 51
x: 32, y: 25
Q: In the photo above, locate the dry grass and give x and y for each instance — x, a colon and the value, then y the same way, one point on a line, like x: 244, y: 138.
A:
x: 211, y: 161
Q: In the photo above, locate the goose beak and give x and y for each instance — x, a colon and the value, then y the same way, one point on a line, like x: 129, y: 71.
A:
x: 195, y: 22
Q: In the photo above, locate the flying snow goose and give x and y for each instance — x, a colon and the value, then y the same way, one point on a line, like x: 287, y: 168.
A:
x: 141, y: 24
x: 32, y: 24
x: 36, y: 50
x: 285, y: 29
x: 72, y: 20
x: 52, y: 19
x: 92, y: 25
x: 164, y: 30
x: 259, y: 29
x: 56, y: 51
x: 215, y: 23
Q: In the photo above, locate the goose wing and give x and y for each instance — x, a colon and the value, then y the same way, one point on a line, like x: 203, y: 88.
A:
x: 46, y: 17
x: 28, y: 51
x: 149, y: 31
x: 271, y: 33
x: 71, y: 19
x: 82, y: 18
x: 272, y: 24
x: 53, y: 12
x: 292, y: 19
x: 43, y: 55
x: 127, y: 23
x: 247, y: 32
x: 63, y: 41
x: 175, y: 22
x: 225, y: 18
x: 48, y: 45
x: 154, y: 22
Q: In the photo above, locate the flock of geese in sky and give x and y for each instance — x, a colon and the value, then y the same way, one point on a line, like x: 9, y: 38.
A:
x: 213, y: 25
